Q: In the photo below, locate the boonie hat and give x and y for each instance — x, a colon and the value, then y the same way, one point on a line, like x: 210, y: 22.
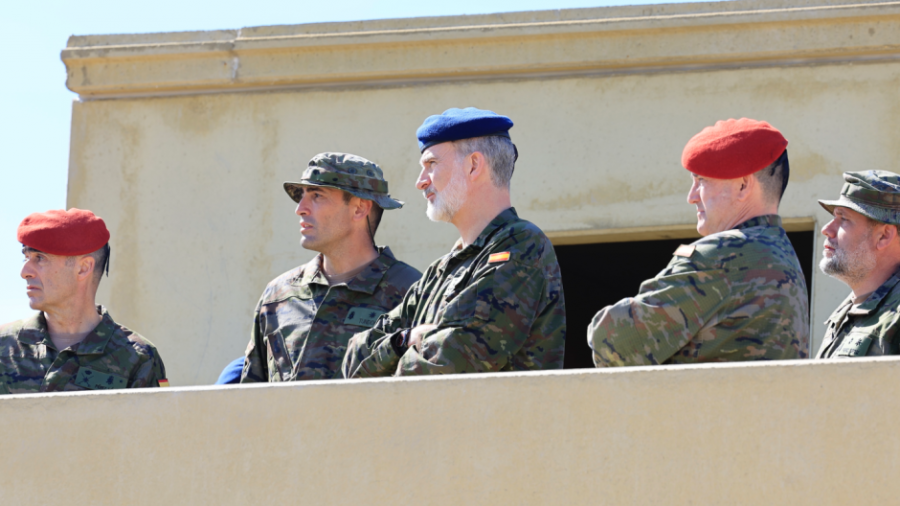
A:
x: 351, y: 173
x: 873, y: 193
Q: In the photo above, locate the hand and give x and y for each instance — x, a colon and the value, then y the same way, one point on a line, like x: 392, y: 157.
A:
x: 415, y: 335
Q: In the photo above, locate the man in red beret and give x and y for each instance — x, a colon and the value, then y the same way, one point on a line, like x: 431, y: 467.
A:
x: 71, y: 344
x: 739, y: 292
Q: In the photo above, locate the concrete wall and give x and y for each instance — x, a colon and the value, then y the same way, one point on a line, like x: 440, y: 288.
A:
x: 181, y: 141
x: 795, y: 432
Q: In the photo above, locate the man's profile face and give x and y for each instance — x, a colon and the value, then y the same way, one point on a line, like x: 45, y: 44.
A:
x: 50, y: 280
x: 325, y: 218
x: 714, y: 200
x: 849, y: 253
x: 442, y: 181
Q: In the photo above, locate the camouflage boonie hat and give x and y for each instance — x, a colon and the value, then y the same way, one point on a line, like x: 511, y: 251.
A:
x: 351, y: 173
x: 873, y: 193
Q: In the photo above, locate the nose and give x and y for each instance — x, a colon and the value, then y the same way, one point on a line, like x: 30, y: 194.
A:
x: 694, y: 193
x: 26, y: 271
x: 424, y: 180
x: 302, y: 207
x: 830, y: 229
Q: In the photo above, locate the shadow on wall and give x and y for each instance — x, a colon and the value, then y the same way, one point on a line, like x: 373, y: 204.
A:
x: 597, y: 275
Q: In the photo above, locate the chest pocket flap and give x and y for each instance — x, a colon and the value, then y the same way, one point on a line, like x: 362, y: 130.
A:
x: 854, y: 344
x: 363, y: 316
x: 96, y: 380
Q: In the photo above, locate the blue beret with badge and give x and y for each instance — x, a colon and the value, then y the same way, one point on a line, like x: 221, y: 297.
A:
x: 457, y: 124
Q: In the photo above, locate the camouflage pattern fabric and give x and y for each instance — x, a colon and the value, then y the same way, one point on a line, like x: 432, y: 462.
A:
x: 350, y: 173
x: 498, y: 305
x: 111, y: 356
x: 731, y: 296
x: 302, y: 325
x: 867, y: 329
x: 873, y: 193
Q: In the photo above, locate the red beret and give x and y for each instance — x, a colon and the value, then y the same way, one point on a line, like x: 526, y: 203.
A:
x: 733, y: 148
x: 66, y: 233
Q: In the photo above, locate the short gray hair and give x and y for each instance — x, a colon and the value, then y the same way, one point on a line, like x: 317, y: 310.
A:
x: 497, y: 150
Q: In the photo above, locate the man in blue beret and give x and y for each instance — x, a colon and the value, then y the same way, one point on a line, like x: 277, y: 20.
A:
x: 495, y: 301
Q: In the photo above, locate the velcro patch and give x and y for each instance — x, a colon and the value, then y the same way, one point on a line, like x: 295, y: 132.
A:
x: 363, y: 316
x: 685, y: 250
x: 498, y: 257
x: 96, y: 380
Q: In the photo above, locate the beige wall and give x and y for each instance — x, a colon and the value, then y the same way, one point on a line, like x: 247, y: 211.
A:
x: 786, y: 433
x: 181, y: 141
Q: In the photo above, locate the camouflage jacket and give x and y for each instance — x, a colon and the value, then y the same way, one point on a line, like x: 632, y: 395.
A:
x: 732, y: 296
x: 111, y: 356
x: 868, y: 329
x: 498, y: 305
x: 302, y: 325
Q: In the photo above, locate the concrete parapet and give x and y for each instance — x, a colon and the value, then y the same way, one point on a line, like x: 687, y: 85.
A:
x: 794, y: 432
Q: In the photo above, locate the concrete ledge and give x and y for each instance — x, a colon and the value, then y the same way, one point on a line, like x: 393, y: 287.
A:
x: 640, y: 39
x: 794, y: 432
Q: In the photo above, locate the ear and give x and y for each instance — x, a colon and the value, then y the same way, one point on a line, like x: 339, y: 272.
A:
x: 475, y: 166
x: 85, y: 267
x: 361, y: 208
x: 746, y: 185
x: 885, y: 237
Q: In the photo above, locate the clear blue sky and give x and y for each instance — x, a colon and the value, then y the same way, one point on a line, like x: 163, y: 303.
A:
x: 35, y: 106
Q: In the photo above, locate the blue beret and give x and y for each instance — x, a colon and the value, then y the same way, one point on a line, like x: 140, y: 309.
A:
x: 455, y: 124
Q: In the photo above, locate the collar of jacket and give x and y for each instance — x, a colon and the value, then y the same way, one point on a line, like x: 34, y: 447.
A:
x: 34, y: 332
x: 766, y: 220
x: 366, y: 281
x: 500, y: 221
x: 874, y: 300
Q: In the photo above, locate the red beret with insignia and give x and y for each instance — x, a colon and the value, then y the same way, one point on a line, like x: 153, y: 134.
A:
x: 733, y: 148
x: 65, y: 233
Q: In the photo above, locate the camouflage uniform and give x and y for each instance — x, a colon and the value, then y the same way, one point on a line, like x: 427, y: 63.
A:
x: 869, y: 328
x: 302, y: 325
x: 498, y: 305
x: 111, y: 356
x: 731, y: 296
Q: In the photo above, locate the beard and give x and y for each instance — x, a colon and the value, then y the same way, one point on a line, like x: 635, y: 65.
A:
x: 448, y: 201
x: 850, y: 266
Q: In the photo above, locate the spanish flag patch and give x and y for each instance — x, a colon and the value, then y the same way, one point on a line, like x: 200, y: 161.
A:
x: 163, y: 382
x: 498, y: 257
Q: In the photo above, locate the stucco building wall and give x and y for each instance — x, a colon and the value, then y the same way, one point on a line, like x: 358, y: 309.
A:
x: 181, y: 141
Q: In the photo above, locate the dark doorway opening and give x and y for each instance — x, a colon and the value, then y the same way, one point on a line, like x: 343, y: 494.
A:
x: 597, y: 275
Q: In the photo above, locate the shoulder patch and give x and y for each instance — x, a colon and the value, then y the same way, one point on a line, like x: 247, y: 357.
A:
x: 498, y: 257
x: 685, y: 250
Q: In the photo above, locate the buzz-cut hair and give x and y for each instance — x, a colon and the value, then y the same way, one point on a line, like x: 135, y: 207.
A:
x: 499, y: 152
x: 774, y: 179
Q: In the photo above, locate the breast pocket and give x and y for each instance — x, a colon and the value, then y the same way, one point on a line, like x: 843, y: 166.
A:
x: 855, y: 344
x: 279, y: 361
x: 473, y: 301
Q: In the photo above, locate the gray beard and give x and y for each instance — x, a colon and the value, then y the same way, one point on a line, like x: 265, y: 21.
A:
x: 850, y: 267
x: 448, y: 201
